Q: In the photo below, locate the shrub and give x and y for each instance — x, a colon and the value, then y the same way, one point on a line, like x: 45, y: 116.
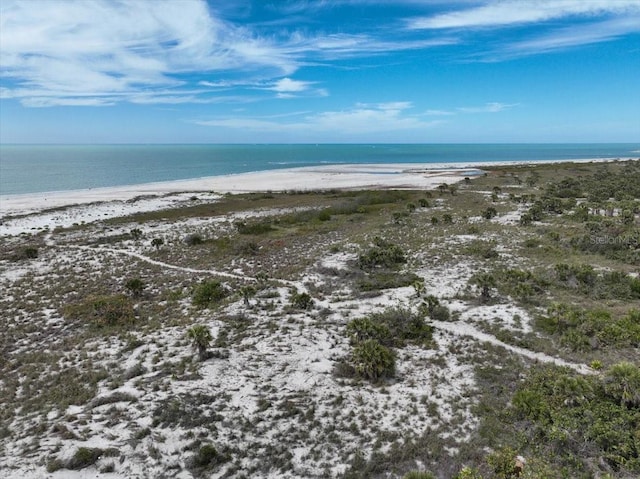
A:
x: 324, y: 215
x: 489, y: 213
x: 257, y: 228
x: 362, y: 329
x: 207, y: 456
x: 403, y: 326
x: 486, y: 282
x: 116, y: 310
x: 136, y: 233
x: 382, y: 254
x: 84, y: 457
x: 135, y: 286
x: 157, y: 242
x: 301, y: 301
x: 193, y: 239
x: 373, y: 361
x: 423, y: 202
x: 209, y: 293
x: 31, y: 252
x: 622, y: 383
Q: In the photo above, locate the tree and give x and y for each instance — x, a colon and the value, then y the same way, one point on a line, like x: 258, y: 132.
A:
x: 157, y: 242
x: 136, y: 233
x: 200, y: 337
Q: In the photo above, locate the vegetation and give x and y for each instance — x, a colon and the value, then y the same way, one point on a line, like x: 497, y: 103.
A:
x: 209, y: 293
x: 566, y: 285
x: 200, y: 337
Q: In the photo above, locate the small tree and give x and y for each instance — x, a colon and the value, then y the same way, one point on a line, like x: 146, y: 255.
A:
x: 486, y: 282
x: 157, y: 242
x: 200, y: 337
x: 247, y: 293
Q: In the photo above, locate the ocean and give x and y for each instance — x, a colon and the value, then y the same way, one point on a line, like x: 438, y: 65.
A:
x: 44, y: 168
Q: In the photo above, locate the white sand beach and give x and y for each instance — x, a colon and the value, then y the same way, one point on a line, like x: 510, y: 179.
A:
x: 34, y: 211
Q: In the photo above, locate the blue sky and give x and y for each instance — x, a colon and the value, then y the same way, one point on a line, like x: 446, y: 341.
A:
x: 310, y: 71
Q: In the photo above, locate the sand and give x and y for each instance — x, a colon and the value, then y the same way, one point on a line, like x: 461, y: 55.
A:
x: 102, y: 203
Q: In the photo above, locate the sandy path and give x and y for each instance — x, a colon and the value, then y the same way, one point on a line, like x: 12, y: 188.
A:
x: 162, y: 264
x: 463, y: 329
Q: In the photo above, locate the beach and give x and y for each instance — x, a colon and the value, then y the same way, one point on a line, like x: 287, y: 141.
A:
x: 35, y: 211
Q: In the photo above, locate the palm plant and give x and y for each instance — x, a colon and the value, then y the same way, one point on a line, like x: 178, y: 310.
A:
x: 200, y: 337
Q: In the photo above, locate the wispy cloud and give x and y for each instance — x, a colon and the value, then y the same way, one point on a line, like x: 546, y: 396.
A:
x: 361, y: 118
x: 56, y: 51
x: 492, y: 107
x: 513, y: 12
x: 568, y: 37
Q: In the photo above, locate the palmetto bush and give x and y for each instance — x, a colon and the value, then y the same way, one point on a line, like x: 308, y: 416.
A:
x: 373, y: 361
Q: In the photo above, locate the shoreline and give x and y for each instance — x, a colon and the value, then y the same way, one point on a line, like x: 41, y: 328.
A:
x: 34, y: 212
x: 344, y: 176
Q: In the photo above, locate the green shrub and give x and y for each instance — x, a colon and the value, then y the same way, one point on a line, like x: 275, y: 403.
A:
x: 30, y: 252
x: 209, y: 293
x: 362, y: 329
x: 324, y: 215
x: 301, y: 301
x: 157, y: 242
x: 373, y: 361
x: 84, y: 457
x: 208, y: 456
x: 382, y: 254
x: 135, y: 286
x: 489, y: 213
x: 404, y: 326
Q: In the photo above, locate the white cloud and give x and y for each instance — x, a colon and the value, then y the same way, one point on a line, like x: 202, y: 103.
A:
x: 492, y: 107
x: 512, y: 12
x: 117, y: 49
x: 439, y: 113
x: 287, y: 85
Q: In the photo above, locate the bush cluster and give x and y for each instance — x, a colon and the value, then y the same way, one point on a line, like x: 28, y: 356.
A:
x: 209, y: 293
x: 582, y: 330
x: 593, y: 419
x: 383, y: 254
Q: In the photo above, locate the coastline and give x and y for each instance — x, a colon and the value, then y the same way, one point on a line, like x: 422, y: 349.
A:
x: 36, y: 211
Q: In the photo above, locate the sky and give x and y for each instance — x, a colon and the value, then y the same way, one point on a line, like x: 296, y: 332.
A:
x: 319, y: 71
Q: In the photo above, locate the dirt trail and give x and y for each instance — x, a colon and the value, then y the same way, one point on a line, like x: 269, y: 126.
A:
x: 463, y: 329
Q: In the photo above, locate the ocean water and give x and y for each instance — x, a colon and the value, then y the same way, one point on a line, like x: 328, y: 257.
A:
x: 40, y: 168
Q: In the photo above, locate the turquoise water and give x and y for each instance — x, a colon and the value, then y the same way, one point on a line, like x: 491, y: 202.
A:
x: 32, y: 169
